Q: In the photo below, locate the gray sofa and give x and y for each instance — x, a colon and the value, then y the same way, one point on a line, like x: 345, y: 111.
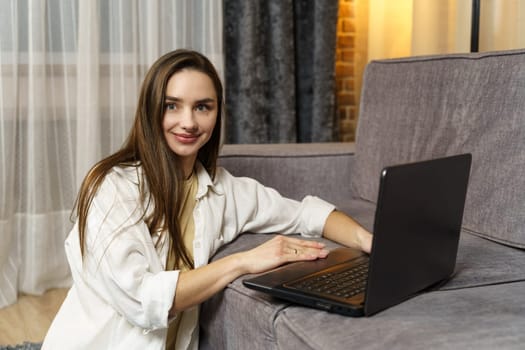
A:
x: 411, y: 109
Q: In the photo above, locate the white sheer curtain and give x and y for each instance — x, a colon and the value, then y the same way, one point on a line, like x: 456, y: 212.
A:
x: 70, y: 72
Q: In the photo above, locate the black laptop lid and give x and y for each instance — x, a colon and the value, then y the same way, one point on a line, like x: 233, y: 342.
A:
x: 420, y: 203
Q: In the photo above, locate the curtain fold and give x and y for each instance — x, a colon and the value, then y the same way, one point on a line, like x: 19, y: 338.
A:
x: 70, y: 72
x: 280, y: 70
x: 315, y: 33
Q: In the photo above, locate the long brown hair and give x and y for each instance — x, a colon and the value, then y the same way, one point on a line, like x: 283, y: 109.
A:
x: 146, y: 146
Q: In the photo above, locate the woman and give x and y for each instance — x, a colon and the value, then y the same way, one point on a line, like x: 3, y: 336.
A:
x: 151, y: 215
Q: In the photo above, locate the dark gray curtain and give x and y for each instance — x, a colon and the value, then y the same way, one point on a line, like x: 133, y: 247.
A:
x: 280, y: 70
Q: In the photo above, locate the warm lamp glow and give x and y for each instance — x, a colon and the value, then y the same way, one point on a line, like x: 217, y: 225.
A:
x: 389, y: 28
x: 400, y: 28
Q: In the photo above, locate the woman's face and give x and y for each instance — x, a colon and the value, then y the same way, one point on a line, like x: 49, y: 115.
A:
x: 190, y: 114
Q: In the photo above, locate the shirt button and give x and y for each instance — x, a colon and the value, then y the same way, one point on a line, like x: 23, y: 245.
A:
x: 197, y: 245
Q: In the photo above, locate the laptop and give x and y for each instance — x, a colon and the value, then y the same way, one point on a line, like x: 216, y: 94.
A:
x: 417, y: 226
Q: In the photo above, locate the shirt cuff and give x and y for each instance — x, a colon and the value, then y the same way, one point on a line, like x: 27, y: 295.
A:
x: 158, y: 293
x: 315, y: 213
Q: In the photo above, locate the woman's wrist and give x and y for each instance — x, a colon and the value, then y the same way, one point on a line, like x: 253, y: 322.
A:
x: 364, y: 239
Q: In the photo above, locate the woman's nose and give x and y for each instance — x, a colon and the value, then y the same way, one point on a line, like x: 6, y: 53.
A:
x: 188, y: 121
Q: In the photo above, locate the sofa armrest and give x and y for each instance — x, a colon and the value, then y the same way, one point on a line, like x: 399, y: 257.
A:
x: 295, y: 170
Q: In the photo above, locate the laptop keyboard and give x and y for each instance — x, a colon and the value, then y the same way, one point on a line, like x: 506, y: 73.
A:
x: 344, y: 283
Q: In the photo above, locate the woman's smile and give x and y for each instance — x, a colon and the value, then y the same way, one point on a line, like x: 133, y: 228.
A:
x: 186, y: 138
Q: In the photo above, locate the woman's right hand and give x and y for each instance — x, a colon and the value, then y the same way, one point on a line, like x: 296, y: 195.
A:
x: 280, y: 250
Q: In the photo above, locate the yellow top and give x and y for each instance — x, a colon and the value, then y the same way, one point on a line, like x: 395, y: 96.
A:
x: 187, y: 227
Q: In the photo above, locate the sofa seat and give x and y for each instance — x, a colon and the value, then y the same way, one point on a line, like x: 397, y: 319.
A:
x: 486, y: 317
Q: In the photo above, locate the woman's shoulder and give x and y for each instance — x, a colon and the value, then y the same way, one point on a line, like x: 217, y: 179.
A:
x: 127, y: 172
x: 122, y: 180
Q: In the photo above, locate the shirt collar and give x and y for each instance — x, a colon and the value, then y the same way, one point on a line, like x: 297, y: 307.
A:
x: 205, y: 181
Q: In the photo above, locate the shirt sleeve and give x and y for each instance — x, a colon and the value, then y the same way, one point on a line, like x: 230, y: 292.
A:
x: 252, y: 207
x: 121, y: 263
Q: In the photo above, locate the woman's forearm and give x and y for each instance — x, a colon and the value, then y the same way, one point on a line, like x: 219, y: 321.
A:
x: 196, y: 286
x: 342, y: 229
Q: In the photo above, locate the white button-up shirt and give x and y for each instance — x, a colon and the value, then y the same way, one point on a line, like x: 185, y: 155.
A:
x: 122, y: 294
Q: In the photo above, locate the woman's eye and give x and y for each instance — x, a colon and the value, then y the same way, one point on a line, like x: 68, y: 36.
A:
x: 170, y: 106
x: 202, y: 108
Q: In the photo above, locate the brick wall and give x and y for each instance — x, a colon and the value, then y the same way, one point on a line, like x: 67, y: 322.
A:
x: 345, y: 70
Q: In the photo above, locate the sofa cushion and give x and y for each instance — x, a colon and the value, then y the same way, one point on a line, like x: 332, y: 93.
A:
x: 419, y: 108
x: 482, y: 262
x: 489, y: 317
